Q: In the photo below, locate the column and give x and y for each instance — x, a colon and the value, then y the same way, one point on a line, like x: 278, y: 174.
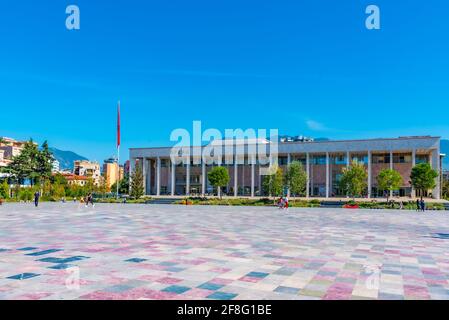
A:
x: 436, y: 193
x: 391, y: 168
x: 413, y: 165
x: 308, y: 175
x: 188, y: 178
x: 327, y: 175
x: 236, y: 167
x: 150, y: 173
x: 370, y: 178
x: 348, y: 159
x: 158, y: 172
x: 144, y: 175
x: 132, y: 163
x: 203, y: 178
x: 289, y: 161
x: 253, y: 172
x: 173, y: 178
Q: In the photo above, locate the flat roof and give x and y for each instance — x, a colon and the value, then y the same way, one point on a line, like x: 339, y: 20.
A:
x: 319, y: 142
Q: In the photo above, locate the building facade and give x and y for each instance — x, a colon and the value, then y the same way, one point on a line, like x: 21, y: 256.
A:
x: 88, y: 169
x: 9, y: 148
x: 111, y: 172
x: 323, y: 162
x: 73, y: 179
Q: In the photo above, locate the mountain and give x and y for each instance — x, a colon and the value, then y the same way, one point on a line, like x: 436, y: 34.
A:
x: 66, y: 158
x: 445, y: 149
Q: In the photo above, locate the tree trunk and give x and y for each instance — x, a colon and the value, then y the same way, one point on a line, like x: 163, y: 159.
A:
x: 219, y: 192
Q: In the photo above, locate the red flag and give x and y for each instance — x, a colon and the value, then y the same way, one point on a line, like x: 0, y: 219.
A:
x: 118, y: 125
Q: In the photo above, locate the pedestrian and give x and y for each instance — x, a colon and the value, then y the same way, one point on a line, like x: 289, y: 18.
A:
x: 418, y: 205
x: 281, y: 203
x: 423, y: 205
x: 286, y: 203
x: 91, y: 200
x: 36, y: 198
x: 401, y: 205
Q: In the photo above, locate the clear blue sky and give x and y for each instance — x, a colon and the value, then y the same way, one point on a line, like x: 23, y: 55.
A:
x: 305, y: 67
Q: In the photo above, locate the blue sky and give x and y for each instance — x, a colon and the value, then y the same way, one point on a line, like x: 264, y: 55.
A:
x: 304, y: 67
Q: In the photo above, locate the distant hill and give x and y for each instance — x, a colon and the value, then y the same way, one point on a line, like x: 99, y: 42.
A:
x: 66, y: 158
x: 445, y: 149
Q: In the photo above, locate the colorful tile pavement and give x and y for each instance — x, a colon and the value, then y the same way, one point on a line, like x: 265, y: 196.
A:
x: 67, y: 251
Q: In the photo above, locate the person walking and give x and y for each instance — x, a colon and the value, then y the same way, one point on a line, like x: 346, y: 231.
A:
x: 36, y: 198
x: 91, y: 200
x: 423, y: 205
x: 418, y: 205
x: 286, y: 203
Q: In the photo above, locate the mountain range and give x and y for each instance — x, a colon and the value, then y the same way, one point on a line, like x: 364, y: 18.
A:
x: 66, y: 158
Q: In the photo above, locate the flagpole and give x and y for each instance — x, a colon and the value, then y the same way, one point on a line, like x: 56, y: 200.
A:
x: 118, y: 149
x: 118, y: 168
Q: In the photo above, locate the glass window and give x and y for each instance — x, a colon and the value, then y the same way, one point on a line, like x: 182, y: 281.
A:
x: 381, y: 158
x: 402, y: 158
x: 283, y: 161
x: 319, y: 160
x: 339, y: 160
x: 422, y: 158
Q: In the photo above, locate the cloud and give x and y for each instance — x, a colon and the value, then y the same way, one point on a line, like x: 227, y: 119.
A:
x: 316, y: 126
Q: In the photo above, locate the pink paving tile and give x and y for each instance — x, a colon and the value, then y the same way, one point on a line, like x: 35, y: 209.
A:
x: 149, y: 278
x: 220, y: 270
x: 250, y: 279
x: 221, y: 281
x: 327, y: 278
x: 33, y: 296
x: 168, y: 280
x: 415, y: 291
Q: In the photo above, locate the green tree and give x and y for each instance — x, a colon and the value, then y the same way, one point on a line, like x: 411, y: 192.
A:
x: 137, y: 183
x: 354, y: 179
x: 446, y: 189
x: 24, y: 166
x: 123, y: 187
x: 273, y: 184
x: 44, y: 163
x: 296, y: 178
x: 423, y: 177
x: 4, y: 190
x: 59, y: 179
x: 218, y: 177
x: 389, y: 180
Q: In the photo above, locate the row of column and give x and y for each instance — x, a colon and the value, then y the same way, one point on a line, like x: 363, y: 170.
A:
x: 147, y: 186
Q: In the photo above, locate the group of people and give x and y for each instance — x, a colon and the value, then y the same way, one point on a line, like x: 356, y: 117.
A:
x: 89, y: 199
x: 420, y: 205
x: 283, y: 203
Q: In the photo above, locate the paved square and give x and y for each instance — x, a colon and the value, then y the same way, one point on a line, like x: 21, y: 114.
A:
x: 67, y: 251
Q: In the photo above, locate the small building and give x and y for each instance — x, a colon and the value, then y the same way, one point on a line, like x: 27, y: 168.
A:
x: 73, y: 179
x: 88, y: 169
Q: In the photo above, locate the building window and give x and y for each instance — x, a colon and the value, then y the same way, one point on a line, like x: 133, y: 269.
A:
x: 283, y: 161
x: 422, y: 158
x: 402, y: 158
x: 339, y: 160
x: 319, y: 160
x: 360, y: 158
x: 381, y: 158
